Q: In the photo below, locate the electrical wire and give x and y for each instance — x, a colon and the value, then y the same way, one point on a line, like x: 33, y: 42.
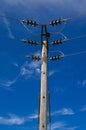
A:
x: 73, y: 38
x: 76, y: 53
x: 60, y: 31
x: 67, y: 19
x: 9, y: 38
x: 76, y: 17
x: 29, y: 30
x: 77, y: 37
x: 58, y: 51
x: 11, y: 18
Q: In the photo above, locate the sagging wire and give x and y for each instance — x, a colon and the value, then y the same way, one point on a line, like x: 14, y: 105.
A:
x: 28, y: 29
x: 76, y: 53
x: 56, y: 33
x: 11, y: 18
x: 77, y: 37
x: 28, y: 41
x: 76, y: 17
x: 60, y: 31
x: 60, y: 41
x: 57, y: 57
x: 59, y: 20
x: 58, y: 52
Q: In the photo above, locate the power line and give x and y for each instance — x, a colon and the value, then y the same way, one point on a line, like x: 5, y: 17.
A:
x: 29, y: 30
x: 11, y: 18
x: 76, y: 53
x: 59, y: 20
x: 57, y: 57
x: 60, y: 41
x: 76, y: 17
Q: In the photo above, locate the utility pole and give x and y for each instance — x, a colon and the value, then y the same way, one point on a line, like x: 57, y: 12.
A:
x: 43, y: 95
x: 44, y: 90
x: 44, y: 107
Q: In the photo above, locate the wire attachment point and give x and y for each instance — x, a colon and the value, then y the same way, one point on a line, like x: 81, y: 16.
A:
x: 36, y: 58
x: 56, y: 57
x: 58, y: 21
x: 29, y: 22
x: 30, y: 42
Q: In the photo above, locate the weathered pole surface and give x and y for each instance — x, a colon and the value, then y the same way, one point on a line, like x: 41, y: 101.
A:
x: 43, y: 94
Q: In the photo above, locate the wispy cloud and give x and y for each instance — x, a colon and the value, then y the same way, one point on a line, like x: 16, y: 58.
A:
x: 82, y: 83
x: 64, y: 111
x: 62, y: 4
x: 30, y: 69
x: 7, y: 24
x: 58, y: 125
x: 62, y: 126
x: 7, y: 83
x: 83, y: 108
x: 33, y: 116
x: 12, y: 120
x: 60, y: 90
x: 15, y: 64
x: 52, y: 72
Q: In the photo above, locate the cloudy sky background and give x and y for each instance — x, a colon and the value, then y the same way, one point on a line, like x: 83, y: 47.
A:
x: 20, y: 77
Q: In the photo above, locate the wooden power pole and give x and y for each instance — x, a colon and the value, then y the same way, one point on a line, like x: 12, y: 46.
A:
x: 44, y: 89
x: 43, y: 95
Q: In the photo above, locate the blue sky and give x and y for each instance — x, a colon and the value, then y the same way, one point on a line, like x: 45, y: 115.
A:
x: 20, y: 77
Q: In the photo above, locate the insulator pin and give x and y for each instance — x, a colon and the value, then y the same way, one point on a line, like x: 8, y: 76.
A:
x: 57, y: 42
x: 58, y: 21
x: 35, y: 58
x: 29, y: 22
x: 55, y: 58
x: 29, y: 42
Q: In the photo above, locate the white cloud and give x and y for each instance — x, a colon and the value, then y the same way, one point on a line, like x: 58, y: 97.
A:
x: 52, y: 72
x: 25, y: 71
x: 62, y: 126
x: 64, y: 4
x: 12, y: 120
x: 30, y: 69
x: 15, y: 64
x: 7, y: 24
x: 83, y: 83
x: 34, y: 64
x: 64, y: 111
x: 7, y: 83
x: 60, y: 90
x: 83, y: 108
x: 33, y: 116
x: 71, y: 128
x: 58, y: 125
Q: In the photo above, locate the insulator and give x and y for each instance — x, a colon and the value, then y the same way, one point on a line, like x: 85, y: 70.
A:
x: 59, y: 21
x: 32, y: 23
x: 23, y: 40
x: 35, y: 58
x: 24, y: 21
x: 30, y: 42
x: 52, y: 23
x: 55, y: 57
x: 55, y: 22
x: 57, y: 42
x: 34, y: 42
